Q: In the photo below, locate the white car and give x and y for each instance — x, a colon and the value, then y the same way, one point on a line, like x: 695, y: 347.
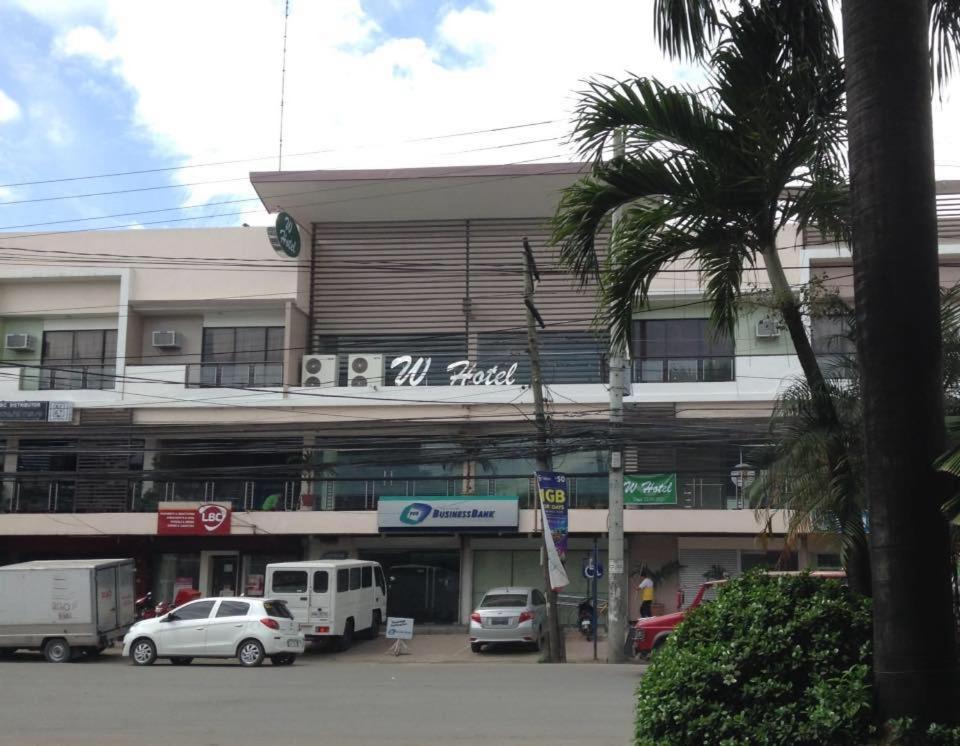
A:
x: 249, y: 629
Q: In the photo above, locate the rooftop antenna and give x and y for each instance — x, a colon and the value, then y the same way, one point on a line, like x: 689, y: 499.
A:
x: 283, y: 81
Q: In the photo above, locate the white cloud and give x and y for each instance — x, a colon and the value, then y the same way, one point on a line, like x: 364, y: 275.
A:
x: 9, y: 109
x: 85, y: 41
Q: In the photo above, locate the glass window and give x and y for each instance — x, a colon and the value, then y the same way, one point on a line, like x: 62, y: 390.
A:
x: 83, y: 359
x: 243, y: 344
x: 680, y: 350
x: 504, y: 601
x: 538, y: 598
x: 830, y: 335
x: 196, y: 610
x: 289, y: 581
x: 354, y: 578
x: 277, y: 609
x: 343, y: 580
x: 381, y: 583
x: 321, y: 581
x: 366, y: 576
x: 232, y: 608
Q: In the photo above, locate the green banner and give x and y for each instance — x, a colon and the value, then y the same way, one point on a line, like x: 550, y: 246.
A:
x: 650, y: 489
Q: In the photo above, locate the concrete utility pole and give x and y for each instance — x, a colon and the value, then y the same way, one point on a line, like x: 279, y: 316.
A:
x: 544, y: 461
x: 616, y: 586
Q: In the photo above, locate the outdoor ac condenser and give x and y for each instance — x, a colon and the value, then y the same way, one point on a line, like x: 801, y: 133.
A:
x: 319, y: 370
x: 365, y: 370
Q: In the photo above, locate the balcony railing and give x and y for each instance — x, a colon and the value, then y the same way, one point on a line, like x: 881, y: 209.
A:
x: 683, y: 370
x: 235, y: 375
x: 72, y: 377
x: 29, y: 494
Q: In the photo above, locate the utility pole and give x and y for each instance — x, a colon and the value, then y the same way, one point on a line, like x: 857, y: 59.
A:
x: 544, y: 461
x: 616, y: 586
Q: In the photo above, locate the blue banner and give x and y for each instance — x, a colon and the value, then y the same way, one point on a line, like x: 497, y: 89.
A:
x: 552, y: 490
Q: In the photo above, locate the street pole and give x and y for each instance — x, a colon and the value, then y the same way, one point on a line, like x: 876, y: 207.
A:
x: 616, y: 594
x: 555, y: 644
x: 593, y: 582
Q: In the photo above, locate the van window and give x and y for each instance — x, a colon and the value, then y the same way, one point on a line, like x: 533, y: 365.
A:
x: 290, y: 581
x: 366, y: 576
x: 381, y: 583
x: 354, y: 578
x: 321, y: 581
x: 343, y: 580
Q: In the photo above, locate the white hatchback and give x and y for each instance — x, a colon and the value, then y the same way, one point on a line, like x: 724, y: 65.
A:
x: 249, y: 629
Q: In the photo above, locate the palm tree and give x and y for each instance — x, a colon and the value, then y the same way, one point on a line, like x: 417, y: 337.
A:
x: 710, y: 177
x: 892, y: 52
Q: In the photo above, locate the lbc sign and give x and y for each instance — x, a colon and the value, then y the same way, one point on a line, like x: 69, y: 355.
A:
x: 205, y: 520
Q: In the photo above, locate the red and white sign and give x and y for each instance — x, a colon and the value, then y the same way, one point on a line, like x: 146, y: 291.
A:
x: 209, y: 519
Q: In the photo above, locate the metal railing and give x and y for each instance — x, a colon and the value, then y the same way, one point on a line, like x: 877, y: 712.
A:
x: 70, y: 377
x: 235, y: 375
x: 37, y: 494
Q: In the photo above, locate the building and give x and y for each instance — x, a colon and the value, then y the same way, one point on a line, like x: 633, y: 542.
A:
x: 315, y: 397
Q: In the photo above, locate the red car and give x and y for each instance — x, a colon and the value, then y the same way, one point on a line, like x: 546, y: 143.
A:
x: 651, y: 632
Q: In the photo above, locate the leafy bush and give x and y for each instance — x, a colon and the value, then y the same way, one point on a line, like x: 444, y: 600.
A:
x: 905, y: 732
x: 773, y: 660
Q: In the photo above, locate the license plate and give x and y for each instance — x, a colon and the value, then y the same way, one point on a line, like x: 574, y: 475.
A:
x: 304, y: 627
x: 293, y: 643
x: 501, y: 620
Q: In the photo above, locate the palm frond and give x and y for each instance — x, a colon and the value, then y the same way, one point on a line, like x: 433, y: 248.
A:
x: 684, y: 28
x: 944, y: 40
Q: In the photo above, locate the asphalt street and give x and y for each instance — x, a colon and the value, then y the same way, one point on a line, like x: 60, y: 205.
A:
x: 321, y: 700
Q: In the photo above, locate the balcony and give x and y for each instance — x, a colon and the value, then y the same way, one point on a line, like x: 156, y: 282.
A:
x: 74, y: 377
x: 235, y: 375
x: 683, y: 370
x: 24, y: 494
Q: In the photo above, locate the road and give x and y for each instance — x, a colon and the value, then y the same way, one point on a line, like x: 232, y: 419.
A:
x: 322, y: 700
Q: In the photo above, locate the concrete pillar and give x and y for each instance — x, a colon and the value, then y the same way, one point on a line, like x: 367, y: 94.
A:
x: 9, y: 485
x: 466, y: 579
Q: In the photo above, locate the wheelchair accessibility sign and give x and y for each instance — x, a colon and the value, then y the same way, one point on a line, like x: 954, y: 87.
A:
x: 591, y: 570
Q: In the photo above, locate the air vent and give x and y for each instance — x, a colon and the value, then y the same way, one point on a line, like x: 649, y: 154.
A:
x: 20, y: 342
x: 365, y: 370
x: 166, y: 340
x: 319, y: 370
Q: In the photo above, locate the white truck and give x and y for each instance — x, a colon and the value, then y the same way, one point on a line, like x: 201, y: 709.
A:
x: 65, y: 607
x: 331, y: 599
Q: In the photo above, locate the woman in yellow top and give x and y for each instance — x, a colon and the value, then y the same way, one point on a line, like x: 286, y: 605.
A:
x: 646, y: 594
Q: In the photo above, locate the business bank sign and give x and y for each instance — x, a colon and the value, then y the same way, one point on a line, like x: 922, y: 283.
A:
x: 461, y: 513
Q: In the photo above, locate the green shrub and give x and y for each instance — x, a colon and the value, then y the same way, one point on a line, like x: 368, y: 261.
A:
x: 905, y: 732
x: 773, y: 660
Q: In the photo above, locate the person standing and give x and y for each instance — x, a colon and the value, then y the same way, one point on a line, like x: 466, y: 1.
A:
x: 646, y: 594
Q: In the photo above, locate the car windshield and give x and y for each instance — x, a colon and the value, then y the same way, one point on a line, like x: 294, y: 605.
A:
x: 501, y: 600
x: 277, y: 609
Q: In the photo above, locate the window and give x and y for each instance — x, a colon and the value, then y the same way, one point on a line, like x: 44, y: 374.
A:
x: 289, y: 581
x: 680, y: 350
x: 381, y: 583
x: 277, y: 609
x: 354, y: 578
x: 830, y: 335
x: 538, y: 599
x: 366, y: 576
x: 83, y: 359
x: 240, y: 356
x: 196, y: 610
x: 504, y: 601
x: 232, y: 608
x: 321, y: 581
x: 343, y: 580
x: 829, y: 562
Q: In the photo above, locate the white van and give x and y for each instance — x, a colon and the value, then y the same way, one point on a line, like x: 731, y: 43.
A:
x: 331, y: 598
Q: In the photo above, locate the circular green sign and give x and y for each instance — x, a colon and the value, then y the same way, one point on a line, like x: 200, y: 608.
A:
x: 288, y: 235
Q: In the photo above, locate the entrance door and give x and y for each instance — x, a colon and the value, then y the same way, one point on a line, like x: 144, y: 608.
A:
x: 107, y: 599
x: 225, y: 575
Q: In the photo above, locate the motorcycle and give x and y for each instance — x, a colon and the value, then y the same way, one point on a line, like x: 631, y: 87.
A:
x: 145, y: 608
x: 585, y: 618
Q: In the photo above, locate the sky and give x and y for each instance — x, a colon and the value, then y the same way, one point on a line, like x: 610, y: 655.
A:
x: 168, y: 87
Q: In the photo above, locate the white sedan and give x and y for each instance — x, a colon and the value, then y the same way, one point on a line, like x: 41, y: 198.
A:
x: 249, y: 629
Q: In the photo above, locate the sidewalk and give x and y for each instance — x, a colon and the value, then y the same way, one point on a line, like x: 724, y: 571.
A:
x: 451, y: 646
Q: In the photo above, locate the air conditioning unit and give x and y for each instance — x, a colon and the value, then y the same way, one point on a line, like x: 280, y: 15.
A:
x: 168, y: 339
x: 319, y: 370
x: 365, y: 370
x: 21, y: 342
x: 767, y: 328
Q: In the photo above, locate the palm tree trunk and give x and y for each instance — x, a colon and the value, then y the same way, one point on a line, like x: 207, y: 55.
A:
x: 896, y: 288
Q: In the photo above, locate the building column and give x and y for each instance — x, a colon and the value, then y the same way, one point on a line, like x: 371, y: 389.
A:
x: 466, y: 579
x: 9, y: 485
